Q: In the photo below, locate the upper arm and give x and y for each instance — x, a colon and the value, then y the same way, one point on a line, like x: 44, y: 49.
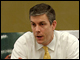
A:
x: 20, y: 49
x: 72, y: 47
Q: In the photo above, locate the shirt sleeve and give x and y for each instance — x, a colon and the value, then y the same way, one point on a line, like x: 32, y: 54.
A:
x: 20, y: 49
x: 72, y: 47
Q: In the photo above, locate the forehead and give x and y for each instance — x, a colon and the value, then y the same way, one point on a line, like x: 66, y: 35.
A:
x: 39, y: 18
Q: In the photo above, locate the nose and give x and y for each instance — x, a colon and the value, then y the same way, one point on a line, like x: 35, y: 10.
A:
x: 37, y: 28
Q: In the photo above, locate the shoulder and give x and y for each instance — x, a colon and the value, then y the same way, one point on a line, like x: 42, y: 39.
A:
x: 25, y: 38
x: 27, y: 34
x: 65, y: 39
x: 65, y: 36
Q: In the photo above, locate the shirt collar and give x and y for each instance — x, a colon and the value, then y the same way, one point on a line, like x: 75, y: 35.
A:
x: 38, y: 46
x: 50, y: 46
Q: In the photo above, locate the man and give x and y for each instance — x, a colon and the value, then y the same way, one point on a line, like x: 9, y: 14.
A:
x: 33, y: 45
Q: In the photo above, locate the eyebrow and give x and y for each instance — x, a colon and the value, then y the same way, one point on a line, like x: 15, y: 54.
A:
x: 31, y: 21
x: 39, y: 22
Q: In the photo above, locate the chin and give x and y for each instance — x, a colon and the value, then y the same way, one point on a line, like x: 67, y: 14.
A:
x: 39, y: 42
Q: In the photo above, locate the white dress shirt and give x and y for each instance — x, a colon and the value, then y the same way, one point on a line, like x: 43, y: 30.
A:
x: 63, y: 46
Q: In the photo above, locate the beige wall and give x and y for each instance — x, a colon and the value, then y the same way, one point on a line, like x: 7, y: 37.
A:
x: 15, y: 15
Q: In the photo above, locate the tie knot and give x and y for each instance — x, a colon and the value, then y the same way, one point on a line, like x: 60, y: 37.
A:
x: 45, y: 48
x: 46, y: 55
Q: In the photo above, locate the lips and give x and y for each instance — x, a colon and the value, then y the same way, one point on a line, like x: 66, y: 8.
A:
x: 39, y: 37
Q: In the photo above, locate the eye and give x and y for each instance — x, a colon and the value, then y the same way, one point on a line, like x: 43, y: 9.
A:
x: 33, y: 24
x: 42, y: 24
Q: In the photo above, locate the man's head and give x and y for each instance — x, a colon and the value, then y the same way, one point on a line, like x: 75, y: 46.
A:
x: 42, y: 8
x: 43, y: 22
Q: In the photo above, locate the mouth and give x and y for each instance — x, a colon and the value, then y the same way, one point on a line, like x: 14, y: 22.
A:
x: 39, y: 37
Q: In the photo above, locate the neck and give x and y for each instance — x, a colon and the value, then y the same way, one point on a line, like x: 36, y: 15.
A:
x: 47, y: 42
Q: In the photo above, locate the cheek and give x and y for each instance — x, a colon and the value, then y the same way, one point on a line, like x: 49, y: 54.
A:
x: 49, y: 29
x: 48, y: 32
x: 33, y: 30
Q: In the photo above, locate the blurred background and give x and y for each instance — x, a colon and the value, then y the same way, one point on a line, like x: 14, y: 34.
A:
x: 7, y: 42
x: 15, y: 20
x: 15, y: 15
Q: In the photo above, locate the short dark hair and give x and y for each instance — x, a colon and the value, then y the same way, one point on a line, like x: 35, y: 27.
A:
x: 42, y: 8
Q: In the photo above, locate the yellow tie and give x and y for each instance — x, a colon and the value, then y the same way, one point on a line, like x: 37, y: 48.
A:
x: 46, y: 55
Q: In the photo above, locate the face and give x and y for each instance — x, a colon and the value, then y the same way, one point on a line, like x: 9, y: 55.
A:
x: 42, y: 29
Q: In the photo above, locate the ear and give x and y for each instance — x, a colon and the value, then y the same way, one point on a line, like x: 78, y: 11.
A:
x: 54, y: 24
